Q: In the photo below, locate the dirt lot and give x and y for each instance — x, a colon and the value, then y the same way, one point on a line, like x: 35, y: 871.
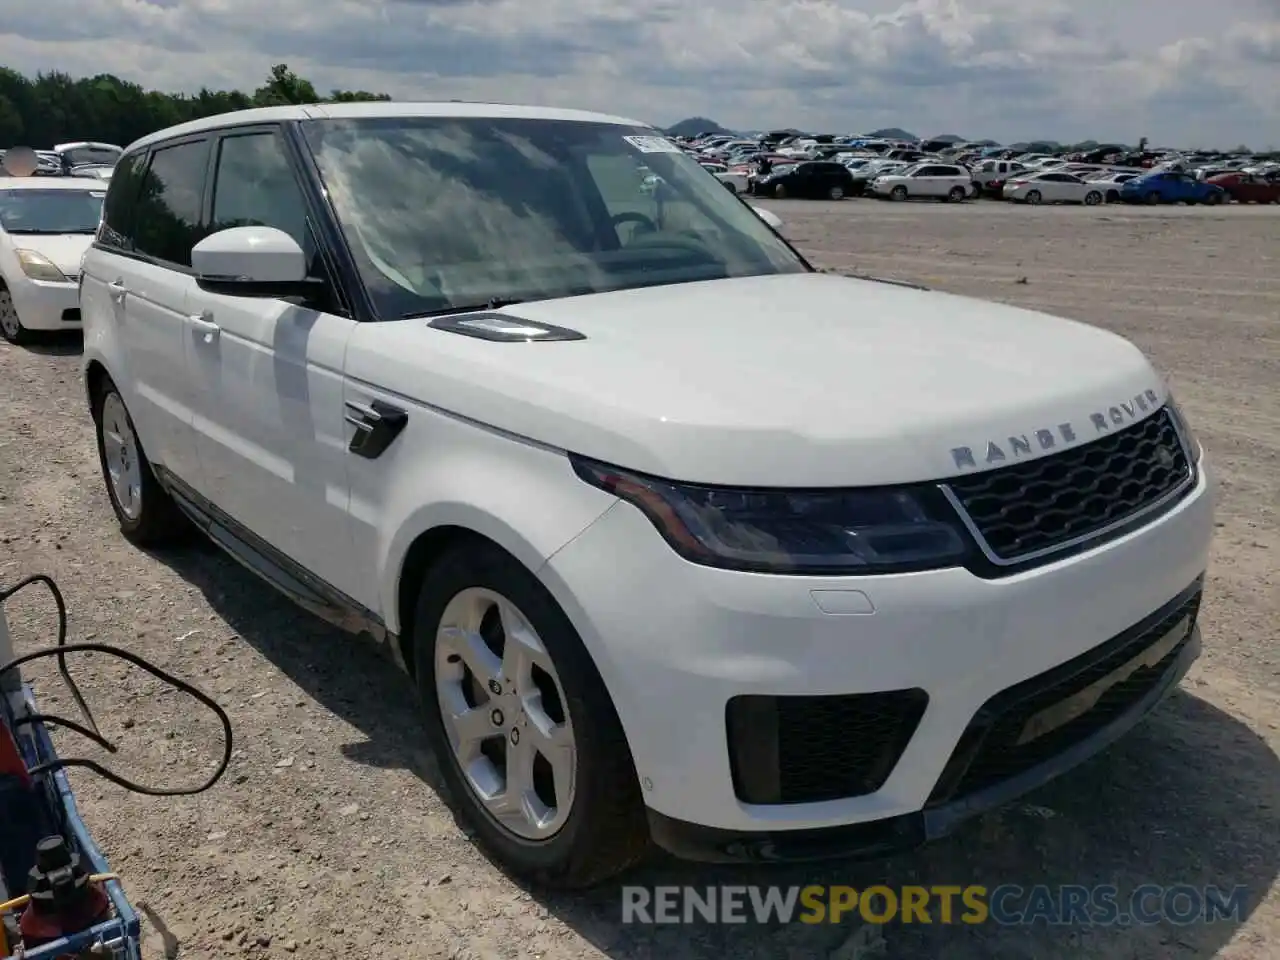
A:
x: 327, y: 837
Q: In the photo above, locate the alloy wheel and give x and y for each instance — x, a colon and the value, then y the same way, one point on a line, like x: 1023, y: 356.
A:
x: 120, y: 451
x: 505, y: 714
x: 9, y: 323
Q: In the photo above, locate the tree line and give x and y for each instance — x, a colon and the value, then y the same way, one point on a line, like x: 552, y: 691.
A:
x: 56, y: 108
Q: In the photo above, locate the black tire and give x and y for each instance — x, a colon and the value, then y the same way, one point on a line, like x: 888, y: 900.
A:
x: 606, y: 831
x: 1034, y: 196
x: 779, y: 192
x: 1113, y: 196
x: 957, y: 194
x: 11, y: 328
x: 1214, y: 199
x: 159, y: 522
x: 898, y: 193
x: 835, y: 193
x: 1153, y: 198
x: 1092, y: 198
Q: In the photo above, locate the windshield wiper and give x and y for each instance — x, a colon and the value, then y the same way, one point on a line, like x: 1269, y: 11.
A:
x: 493, y: 303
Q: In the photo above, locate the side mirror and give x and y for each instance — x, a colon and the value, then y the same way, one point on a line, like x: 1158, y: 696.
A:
x: 252, y: 262
x: 769, y: 217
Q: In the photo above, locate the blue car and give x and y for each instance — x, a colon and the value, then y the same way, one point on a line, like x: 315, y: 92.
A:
x: 1170, y: 186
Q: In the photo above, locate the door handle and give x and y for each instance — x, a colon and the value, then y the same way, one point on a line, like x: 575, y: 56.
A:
x: 117, y: 289
x: 203, y: 324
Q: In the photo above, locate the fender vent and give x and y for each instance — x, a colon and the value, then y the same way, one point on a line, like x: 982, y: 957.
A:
x: 503, y: 328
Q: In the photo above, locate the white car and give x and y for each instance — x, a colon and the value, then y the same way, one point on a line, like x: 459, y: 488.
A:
x: 46, y: 225
x: 935, y: 181
x: 668, y: 554
x: 1109, y: 183
x: 734, y: 180
x: 1052, y: 187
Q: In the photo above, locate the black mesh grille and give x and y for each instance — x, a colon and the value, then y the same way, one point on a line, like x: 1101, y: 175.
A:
x: 811, y: 749
x: 1045, y: 503
x: 989, y: 750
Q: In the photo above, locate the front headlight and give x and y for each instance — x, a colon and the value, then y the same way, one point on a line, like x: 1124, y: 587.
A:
x: 1184, y: 427
x: 838, y: 532
x: 39, y: 267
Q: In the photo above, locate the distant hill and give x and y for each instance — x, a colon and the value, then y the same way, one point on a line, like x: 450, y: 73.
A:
x: 894, y: 133
x: 949, y: 137
x: 694, y: 126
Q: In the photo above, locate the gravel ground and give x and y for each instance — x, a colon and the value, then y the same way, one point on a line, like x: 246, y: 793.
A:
x: 327, y: 836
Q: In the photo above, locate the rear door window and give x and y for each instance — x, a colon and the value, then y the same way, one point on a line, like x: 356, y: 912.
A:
x: 118, y: 208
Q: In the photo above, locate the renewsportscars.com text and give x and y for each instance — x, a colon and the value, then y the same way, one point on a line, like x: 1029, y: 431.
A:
x: 1007, y: 905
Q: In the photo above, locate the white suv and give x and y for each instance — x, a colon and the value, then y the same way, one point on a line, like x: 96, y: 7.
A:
x: 678, y: 537
x: 937, y: 181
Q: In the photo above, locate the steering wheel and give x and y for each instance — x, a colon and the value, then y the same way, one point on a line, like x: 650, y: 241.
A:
x: 634, y: 216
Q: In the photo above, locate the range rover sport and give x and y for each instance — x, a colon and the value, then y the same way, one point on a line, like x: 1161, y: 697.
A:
x: 680, y: 539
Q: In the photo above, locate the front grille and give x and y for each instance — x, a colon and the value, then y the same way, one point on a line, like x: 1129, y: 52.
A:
x: 812, y: 749
x: 1027, y: 509
x: 999, y: 743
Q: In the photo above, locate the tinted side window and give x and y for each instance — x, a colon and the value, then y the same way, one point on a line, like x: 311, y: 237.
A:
x: 167, y: 224
x: 254, y: 186
x: 118, y: 208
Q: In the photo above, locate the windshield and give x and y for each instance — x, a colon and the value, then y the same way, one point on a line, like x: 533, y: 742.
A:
x: 74, y: 156
x: 449, y: 213
x: 51, y: 211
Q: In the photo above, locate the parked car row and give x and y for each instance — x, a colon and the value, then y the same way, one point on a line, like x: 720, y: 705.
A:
x: 833, y: 168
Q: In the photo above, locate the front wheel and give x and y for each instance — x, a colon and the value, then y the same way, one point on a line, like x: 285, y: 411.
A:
x: 836, y: 193
x: 1092, y: 198
x: 1153, y: 198
x: 146, y: 513
x: 779, y: 192
x: 1214, y: 198
x: 957, y: 194
x: 898, y: 193
x: 530, y: 746
x: 1033, y: 196
x: 11, y: 327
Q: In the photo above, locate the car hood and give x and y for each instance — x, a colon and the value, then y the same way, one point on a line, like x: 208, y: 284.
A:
x: 796, y: 380
x: 64, y: 250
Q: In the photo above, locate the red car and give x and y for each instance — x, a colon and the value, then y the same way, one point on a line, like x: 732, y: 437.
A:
x: 1246, y: 188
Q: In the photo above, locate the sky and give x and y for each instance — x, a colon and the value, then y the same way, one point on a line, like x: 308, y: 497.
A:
x: 1184, y: 73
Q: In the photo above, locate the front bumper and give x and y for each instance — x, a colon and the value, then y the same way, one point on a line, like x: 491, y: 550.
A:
x: 878, y: 838
x: 43, y: 305
x: 676, y: 643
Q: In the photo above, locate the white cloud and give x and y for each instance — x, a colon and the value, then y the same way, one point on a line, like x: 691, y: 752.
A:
x: 1179, y: 71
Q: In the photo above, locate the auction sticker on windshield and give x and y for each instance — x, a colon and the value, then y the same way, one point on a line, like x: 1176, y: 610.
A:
x: 652, y: 144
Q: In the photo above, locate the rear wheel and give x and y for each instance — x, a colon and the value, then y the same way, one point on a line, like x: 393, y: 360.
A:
x: 530, y: 746
x: 146, y: 513
x: 11, y: 327
x: 1153, y: 198
x: 1213, y: 198
x: 1092, y: 198
x: 1033, y: 196
x: 779, y: 191
x: 836, y: 193
x: 957, y: 194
